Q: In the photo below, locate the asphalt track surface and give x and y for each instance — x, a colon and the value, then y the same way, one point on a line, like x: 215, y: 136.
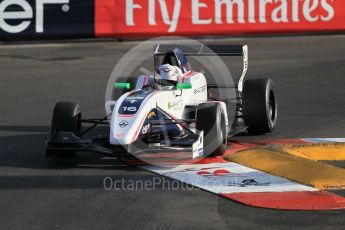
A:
x: 36, y: 193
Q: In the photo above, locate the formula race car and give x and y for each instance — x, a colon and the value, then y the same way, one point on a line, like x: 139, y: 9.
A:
x: 169, y: 110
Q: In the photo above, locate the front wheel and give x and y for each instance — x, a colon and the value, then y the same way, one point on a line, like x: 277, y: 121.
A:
x: 66, y: 118
x: 210, y: 118
x: 259, y: 105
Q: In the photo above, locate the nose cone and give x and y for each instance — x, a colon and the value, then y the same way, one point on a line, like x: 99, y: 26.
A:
x: 122, y: 130
x: 128, y: 116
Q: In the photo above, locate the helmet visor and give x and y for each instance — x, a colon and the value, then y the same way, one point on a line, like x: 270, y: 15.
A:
x: 166, y: 83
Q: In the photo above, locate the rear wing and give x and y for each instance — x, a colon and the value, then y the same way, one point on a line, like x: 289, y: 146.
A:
x: 210, y: 50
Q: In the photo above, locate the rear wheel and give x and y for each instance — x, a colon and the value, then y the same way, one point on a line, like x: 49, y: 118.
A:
x: 259, y: 105
x: 210, y: 118
x: 66, y: 118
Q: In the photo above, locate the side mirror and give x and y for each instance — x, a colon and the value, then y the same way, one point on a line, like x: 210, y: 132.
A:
x: 183, y: 85
x: 122, y: 85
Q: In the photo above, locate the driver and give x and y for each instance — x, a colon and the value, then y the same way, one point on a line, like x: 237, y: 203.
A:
x: 168, y: 77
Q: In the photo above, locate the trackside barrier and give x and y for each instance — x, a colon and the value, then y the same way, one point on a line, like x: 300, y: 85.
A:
x: 50, y: 19
x: 46, y: 19
x: 135, y: 18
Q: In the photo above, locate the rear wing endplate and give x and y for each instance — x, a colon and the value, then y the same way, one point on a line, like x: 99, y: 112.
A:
x: 210, y: 50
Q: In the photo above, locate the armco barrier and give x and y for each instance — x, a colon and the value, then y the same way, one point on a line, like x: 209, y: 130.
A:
x: 42, y: 19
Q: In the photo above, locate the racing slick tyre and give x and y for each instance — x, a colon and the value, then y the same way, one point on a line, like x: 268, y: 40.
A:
x: 259, y: 105
x: 210, y: 118
x: 66, y: 118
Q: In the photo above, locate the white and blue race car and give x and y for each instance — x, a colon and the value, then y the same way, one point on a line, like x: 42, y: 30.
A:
x: 170, y: 109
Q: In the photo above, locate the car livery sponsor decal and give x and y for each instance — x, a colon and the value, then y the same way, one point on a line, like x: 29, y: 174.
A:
x: 175, y: 105
x: 200, y: 89
x: 119, y: 135
x: 200, y: 151
x: 146, y: 128
x: 123, y: 124
x: 132, y: 103
x: 151, y: 115
x: 198, y: 146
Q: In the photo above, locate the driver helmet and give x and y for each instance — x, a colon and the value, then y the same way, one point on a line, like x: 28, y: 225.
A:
x: 168, y: 76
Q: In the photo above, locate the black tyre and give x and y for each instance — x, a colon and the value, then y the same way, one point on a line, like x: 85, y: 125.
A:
x: 259, y: 105
x: 66, y: 118
x: 210, y: 118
